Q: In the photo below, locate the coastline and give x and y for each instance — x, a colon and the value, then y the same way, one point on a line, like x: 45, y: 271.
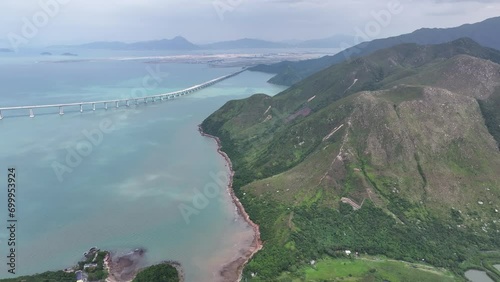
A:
x: 233, y: 271
x: 125, y: 268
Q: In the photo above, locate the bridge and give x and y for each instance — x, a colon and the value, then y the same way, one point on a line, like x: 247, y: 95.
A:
x: 120, y: 102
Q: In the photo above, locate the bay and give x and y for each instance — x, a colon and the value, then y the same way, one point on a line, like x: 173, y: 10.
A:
x: 126, y: 189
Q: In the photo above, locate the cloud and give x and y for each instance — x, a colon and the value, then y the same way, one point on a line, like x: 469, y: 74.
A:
x: 133, y: 20
x: 471, y: 1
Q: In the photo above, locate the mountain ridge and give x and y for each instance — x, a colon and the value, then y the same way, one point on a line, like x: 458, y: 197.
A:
x: 395, y: 143
x: 289, y: 73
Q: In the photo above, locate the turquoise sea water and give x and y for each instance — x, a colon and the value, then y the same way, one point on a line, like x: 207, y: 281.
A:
x: 125, y: 187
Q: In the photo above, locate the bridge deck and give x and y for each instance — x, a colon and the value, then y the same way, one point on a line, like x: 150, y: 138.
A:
x: 117, y: 102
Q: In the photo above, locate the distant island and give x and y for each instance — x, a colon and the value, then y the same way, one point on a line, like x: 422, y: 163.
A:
x: 5, y: 50
x: 69, y: 54
x: 46, y: 54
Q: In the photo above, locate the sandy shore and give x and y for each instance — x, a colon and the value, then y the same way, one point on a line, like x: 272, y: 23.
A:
x: 233, y: 270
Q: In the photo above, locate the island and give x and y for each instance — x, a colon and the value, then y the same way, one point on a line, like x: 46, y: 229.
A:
x: 5, y: 50
x: 46, y: 54
x: 69, y: 54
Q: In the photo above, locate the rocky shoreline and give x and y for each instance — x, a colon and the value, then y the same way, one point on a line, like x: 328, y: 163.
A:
x: 233, y: 271
x: 179, y: 268
x: 126, y: 267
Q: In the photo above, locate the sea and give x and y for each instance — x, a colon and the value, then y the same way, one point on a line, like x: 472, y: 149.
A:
x: 122, y: 178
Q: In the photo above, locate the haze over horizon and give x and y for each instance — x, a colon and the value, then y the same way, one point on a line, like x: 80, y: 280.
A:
x: 209, y: 21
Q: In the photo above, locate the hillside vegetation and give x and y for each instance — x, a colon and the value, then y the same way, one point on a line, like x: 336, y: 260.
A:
x: 158, y: 273
x: 49, y: 276
x: 392, y: 154
x: 289, y: 73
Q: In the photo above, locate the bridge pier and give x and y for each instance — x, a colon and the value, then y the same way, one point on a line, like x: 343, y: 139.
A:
x: 138, y: 100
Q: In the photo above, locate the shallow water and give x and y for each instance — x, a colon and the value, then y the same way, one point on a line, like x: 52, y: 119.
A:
x: 123, y: 187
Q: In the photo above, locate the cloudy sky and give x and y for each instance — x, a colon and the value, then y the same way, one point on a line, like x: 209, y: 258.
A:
x: 201, y: 21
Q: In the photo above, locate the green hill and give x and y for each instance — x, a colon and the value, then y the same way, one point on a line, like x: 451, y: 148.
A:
x: 289, y: 73
x: 392, y: 154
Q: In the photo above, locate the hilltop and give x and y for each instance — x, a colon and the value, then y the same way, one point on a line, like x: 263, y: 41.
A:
x: 289, y: 73
x: 395, y: 154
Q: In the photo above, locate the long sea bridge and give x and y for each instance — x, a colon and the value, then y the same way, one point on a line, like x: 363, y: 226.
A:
x: 120, y: 102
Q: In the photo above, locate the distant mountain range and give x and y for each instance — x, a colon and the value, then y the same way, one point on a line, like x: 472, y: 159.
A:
x: 289, y: 73
x: 249, y: 43
x: 246, y: 43
x: 176, y: 43
x: 181, y: 43
x: 292, y: 72
x: 334, y: 41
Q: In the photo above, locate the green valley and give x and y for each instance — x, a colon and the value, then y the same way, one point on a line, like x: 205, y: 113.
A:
x: 369, y: 269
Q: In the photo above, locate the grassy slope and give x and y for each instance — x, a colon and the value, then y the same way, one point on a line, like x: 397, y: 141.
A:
x: 491, y: 111
x: 370, y: 269
x: 420, y: 157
